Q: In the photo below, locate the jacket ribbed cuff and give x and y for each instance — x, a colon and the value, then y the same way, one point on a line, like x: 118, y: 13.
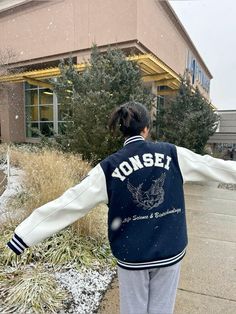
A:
x: 17, y: 245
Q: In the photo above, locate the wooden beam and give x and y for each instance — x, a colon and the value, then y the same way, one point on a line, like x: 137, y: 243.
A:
x: 148, y: 63
x: 167, y: 92
x: 144, y: 60
x: 146, y: 69
x: 156, y: 68
x: 38, y: 82
x: 165, y: 82
x: 155, y: 77
x: 163, y: 66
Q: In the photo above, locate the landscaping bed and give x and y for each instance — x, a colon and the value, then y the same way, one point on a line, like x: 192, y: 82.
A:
x: 70, y: 271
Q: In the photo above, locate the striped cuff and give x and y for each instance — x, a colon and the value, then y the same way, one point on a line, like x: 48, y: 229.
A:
x: 17, y: 245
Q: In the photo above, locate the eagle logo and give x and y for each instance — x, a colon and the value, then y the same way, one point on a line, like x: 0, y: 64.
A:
x: 150, y: 198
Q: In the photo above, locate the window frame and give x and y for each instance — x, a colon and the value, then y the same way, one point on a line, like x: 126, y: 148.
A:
x: 54, y: 104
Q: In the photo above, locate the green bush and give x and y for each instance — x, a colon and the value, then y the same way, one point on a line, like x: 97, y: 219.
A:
x: 188, y: 119
x: 89, y: 97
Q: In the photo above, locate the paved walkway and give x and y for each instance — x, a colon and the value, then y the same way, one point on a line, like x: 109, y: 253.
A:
x: 208, y: 276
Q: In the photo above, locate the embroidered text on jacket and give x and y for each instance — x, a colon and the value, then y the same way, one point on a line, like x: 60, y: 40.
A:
x: 135, y: 163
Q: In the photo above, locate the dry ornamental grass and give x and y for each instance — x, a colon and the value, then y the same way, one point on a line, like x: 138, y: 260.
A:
x: 31, y: 290
x: 47, y: 174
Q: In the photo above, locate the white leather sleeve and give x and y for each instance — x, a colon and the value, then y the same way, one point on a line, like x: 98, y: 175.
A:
x: 72, y: 205
x: 195, y: 167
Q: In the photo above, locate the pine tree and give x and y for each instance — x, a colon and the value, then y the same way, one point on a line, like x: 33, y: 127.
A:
x: 188, y: 119
x: 108, y: 81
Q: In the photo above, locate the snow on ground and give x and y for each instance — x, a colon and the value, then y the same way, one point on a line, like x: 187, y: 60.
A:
x: 14, y: 187
x: 86, y: 286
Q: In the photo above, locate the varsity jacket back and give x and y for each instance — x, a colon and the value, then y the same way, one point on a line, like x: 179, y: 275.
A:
x: 143, y: 187
x: 146, y: 218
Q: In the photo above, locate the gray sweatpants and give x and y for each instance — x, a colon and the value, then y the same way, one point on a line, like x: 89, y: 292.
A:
x: 149, y: 291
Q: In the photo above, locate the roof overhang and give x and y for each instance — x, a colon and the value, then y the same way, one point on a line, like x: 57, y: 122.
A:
x: 153, y: 70
x: 156, y: 71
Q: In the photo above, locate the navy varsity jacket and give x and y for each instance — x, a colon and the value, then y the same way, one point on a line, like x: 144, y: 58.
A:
x: 142, y: 184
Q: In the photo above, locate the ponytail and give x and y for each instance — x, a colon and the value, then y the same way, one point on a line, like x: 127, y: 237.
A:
x: 131, y: 117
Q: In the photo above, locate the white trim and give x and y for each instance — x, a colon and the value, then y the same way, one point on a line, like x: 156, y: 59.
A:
x: 154, y: 263
x: 163, y: 260
x: 17, y: 247
x: 21, y: 245
x: 133, y: 139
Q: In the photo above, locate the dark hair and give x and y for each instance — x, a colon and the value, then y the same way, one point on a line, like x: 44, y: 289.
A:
x: 131, y: 117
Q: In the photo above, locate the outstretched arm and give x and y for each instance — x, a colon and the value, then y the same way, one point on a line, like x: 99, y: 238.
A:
x: 58, y: 214
x: 195, y: 167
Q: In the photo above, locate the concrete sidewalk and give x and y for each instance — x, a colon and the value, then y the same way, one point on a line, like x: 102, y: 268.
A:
x: 208, y: 275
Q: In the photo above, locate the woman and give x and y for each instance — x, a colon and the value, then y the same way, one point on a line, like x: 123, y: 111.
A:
x: 142, y: 184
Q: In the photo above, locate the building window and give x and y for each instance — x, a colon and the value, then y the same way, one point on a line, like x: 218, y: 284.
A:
x: 197, y: 73
x: 40, y: 111
x: 194, y: 70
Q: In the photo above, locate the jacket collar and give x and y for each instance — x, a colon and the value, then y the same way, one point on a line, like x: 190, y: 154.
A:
x: 133, y: 139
